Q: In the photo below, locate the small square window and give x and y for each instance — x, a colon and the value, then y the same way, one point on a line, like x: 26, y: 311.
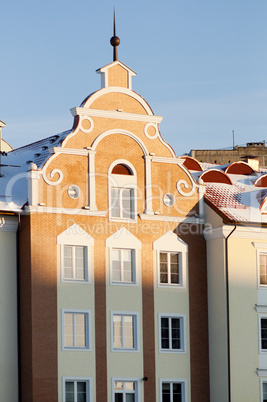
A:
x: 172, y: 337
x: 172, y: 391
x: 75, y: 330
x: 124, y: 391
x: 169, y: 268
x: 124, y: 332
x: 263, y: 269
x: 76, y: 390
x: 123, y: 265
x: 74, y: 263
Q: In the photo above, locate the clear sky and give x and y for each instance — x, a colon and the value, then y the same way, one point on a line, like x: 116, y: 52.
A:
x: 202, y: 64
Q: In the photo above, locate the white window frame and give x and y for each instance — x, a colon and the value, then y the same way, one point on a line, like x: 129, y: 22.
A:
x: 259, y: 252
x: 123, y: 239
x: 76, y: 236
x: 133, y: 265
x: 87, y: 380
x: 181, y: 381
x: 260, y: 317
x: 73, y: 279
x: 171, y: 243
x: 262, y: 381
x: 120, y: 182
x: 126, y: 379
x: 180, y: 271
x: 88, y: 327
x: 182, y: 319
x: 136, y: 335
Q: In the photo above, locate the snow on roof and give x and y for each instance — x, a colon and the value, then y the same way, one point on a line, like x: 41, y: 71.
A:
x: 14, y: 167
x: 240, y: 201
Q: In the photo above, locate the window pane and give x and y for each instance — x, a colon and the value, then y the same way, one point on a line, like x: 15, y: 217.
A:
x: 79, y: 263
x: 81, y: 391
x: 177, y: 392
x: 166, y: 392
x: 174, y: 268
x: 80, y: 330
x: 130, y: 397
x: 126, y: 203
x: 263, y: 269
x: 264, y: 333
x: 163, y: 257
x: 117, y: 331
x: 264, y: 391
x: 118, y: 385
x: 115, y: 203
x: 68, y: 329
x: 129, y: 386
x: 127, y: 266
x: 128, y: 332
x: 68, y: 272
x: 116, y: 265
x: 176, y: 341
x: 118, y: 397
x: 69, y: 391
x: 165, y: 333
x: 163, y: 268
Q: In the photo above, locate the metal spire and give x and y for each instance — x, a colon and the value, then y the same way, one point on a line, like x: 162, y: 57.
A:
x: 115, y: 41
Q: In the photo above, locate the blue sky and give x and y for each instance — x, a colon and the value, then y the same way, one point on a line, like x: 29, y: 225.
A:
x: 202, y: 64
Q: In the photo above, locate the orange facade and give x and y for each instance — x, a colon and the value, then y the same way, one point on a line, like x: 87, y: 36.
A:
x: 114, y: 126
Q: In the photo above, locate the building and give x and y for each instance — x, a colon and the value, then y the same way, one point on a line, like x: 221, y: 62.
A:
x: 112, y: 288
x: 236, y: 236
x: 252, y: 150
x: 127, y: 273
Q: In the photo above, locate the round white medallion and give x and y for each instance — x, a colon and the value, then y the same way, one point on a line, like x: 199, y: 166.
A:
x: 151, y: 130
x: 168, y: 199
x: 74, y: 192
x: 86, y: 124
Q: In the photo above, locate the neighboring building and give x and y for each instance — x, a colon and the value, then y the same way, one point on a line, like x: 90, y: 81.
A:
x: 111, y: 260
x: 236, y: 235
x: 4, y: 146
x: 253, y: 150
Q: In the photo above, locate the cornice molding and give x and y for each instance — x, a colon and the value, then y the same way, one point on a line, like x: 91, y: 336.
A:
x: 259, y: 245
x: 167, y: 218
x: 241, y: 232
x: 260, y: 308
x: 262, y: 372
x: 70, y: 151
x: 162, y: 159
x: 67, y: 211
x: 115, y: 114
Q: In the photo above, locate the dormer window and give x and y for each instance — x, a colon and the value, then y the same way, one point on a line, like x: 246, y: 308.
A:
x: 122, y: 190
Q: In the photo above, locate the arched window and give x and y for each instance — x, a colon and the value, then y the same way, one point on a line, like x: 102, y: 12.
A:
x: 122, y: 191
x: 121, y: 169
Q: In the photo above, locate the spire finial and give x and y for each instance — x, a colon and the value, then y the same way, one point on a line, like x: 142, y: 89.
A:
x: 115, y: 41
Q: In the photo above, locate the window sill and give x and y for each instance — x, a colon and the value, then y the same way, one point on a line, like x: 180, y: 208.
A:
x: 167, y: 285
x: 126, y: 220
x: 123, y: 284
x: 73, y: 281
x: 125, y: 350
x: 76, y: 349
x: 173, y: 351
